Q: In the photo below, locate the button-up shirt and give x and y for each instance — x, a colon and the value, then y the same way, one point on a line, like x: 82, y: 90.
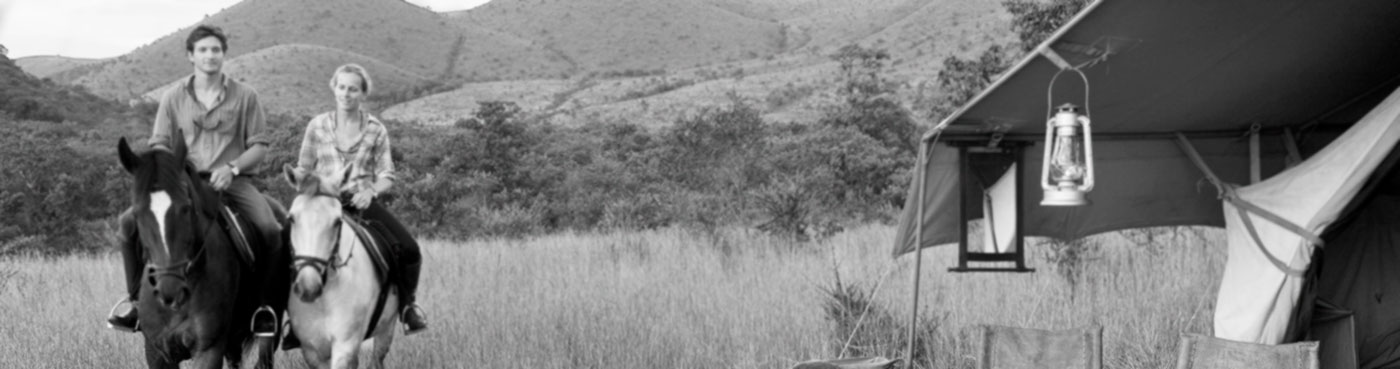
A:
x: 216, y: 135
x: 369, y: 155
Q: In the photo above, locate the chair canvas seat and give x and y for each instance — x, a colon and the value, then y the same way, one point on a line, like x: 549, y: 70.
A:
x: 1028, y: 348
x: 1199, y: 351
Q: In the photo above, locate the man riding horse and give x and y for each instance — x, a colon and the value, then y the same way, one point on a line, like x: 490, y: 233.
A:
x: 224, y: 128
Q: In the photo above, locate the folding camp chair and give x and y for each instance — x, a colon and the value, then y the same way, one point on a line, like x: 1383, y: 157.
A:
x: 1027, y: 348
x: 1205, y: 352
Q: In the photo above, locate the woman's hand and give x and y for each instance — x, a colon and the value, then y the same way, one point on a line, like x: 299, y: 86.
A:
x: 362, y: 199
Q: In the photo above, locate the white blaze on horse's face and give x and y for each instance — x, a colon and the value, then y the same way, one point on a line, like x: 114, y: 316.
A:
x: 160, y: 204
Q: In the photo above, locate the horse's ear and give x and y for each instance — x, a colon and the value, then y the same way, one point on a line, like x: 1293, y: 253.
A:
x: 290, y: 175
x: 177, y: 144
x: 128, y: 158
x: 309, y: 185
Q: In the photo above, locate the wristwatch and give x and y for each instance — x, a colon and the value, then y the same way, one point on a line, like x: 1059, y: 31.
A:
x: 233, y: 169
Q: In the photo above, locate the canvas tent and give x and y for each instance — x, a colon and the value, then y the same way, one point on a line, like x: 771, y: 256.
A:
x: 1169, y: 77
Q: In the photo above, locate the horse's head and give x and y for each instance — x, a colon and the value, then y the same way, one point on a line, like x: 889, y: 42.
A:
x: 315, y: 225
x: 172, y: 211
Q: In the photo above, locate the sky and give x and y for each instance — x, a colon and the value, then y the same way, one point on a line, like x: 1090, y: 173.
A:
x: 109, y: 28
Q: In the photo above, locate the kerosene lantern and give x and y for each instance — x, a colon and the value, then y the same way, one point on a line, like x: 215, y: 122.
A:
x: 1068, y: 172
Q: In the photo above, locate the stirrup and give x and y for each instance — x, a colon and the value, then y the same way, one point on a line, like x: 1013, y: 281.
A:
x: 113, y: 314
x: 403, y: 317
x: 253, y: 324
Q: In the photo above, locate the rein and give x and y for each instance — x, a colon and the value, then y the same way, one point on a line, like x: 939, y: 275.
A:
x: 178, y: 270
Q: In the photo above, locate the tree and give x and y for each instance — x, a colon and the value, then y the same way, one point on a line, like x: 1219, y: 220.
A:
x: 1032, y: 20
x: 862, y: 70
x: 870, y: 107
x: 1035, y: 20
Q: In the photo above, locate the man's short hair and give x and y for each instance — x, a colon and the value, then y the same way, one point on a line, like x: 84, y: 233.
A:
x: 202, y: 31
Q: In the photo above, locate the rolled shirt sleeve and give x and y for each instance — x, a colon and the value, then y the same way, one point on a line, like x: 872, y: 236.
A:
x: 383, y: 156
x: 306, y: 158
x: 255, y: 123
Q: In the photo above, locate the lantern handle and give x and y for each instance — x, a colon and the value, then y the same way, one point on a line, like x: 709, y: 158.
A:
x: 1050, y: 91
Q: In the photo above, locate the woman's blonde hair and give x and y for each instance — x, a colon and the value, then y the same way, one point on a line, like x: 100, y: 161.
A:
x: 365, y: 83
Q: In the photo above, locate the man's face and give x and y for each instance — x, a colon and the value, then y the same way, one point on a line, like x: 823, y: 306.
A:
x: 208, y: 55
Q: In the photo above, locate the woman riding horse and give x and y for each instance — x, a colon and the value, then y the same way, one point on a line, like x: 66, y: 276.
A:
x: 348, y: 139
x: 340, y: 302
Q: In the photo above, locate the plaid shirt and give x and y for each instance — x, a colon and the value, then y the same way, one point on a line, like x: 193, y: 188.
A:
x: 369, y: 156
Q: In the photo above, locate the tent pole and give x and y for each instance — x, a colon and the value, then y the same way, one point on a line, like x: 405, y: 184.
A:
x: 1254, y: 159
x: 918, y: 252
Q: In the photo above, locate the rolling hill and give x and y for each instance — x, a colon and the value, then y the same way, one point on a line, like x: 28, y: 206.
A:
x: 576, y: 61
x: 293, y: 78
x: 797, y: 85
x: 394, y: 32
x: 619, y: 35
x: 533, y: 97
x: 44, y: 66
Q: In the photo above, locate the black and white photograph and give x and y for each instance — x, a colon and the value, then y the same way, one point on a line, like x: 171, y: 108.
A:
x: 739, y: 184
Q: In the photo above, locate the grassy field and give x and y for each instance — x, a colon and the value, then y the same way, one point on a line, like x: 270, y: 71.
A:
x: 685, y: 299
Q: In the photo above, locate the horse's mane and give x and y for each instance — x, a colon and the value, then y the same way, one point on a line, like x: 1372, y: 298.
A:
x: 162, y: 171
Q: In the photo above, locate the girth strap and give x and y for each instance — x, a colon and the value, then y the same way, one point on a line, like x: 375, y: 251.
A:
x: 376, y: 254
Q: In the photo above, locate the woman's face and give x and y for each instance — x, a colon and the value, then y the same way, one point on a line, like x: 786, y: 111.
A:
x: 348, y: 94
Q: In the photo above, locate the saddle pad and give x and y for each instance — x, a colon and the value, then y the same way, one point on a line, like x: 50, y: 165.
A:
x: 238, y: 229
x: 373, y: 244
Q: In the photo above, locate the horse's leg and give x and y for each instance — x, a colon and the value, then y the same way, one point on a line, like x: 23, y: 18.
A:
x: 382, y: 340
x: 345, y: 355
x: 213, y: 358
x: 156, y: 359
x: 315, y: 359
x: 256, y: 353
x: 384, y: 331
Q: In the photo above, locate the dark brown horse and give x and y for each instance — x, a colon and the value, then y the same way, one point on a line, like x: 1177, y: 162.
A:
x: 195, y: 301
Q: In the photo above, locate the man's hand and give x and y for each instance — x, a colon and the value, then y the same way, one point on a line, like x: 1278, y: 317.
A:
x: 221, y: 177
x: 362, y: 199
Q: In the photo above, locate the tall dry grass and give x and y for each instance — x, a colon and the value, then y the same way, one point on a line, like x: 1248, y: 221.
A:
x: 680, y: 299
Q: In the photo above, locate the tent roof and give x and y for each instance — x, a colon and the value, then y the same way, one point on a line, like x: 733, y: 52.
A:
x: 1202, y: 66
x: 1209, y: 69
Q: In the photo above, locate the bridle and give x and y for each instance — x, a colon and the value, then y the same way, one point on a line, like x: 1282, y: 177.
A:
x: 181, y: 270
x: 321, y: 265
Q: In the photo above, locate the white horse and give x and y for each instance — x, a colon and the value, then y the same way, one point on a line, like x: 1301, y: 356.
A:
x: 335, y: 287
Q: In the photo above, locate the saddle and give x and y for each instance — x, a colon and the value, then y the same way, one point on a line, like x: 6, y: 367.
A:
x: 381, y: 246
x: 377, y: 241
x: 241, y: 231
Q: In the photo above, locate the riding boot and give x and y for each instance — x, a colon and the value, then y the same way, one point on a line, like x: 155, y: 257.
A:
x: 265, y: 320
x: 414, y: 319
x: 132, y: 260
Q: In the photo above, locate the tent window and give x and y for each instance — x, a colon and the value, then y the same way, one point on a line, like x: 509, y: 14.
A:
x: 991, y: 191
